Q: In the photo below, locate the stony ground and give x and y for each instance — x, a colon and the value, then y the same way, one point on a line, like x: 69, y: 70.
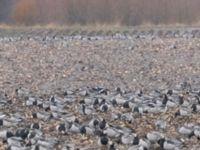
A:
x: 134, y: 71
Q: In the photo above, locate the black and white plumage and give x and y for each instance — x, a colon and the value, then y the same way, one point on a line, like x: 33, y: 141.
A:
x: 128, y: 104
x: 94, y: 123
x: 187, y: 131
x: 118, y: 100
x: 57, y: 108
x: 154, y: 136
x: 61, y: 128
x: 87, y: 101
x: 139, y: 109
x: 35, y: 126
x: 23, y: 133
x: 104, y: 108
x: 183, y: 112
x: 4, y: 134
x: 86, y: 110
x: 141, y: 142
x: 83, y: 93
x: 111, y: 132
x: 127, y: 139
x: 197, y: 131
x: 48, y: 143
x: 68, y: 147
x: 115, y: 116
x: 103, y: 140
x: 195, y: 108
x: 103, y: 124
x: 161, y: 124
x: 42, y: 115
x: 35, y: 134
x: 137, y: 147
x: 31, y: 101
x: 127, y: 117
x: 22, y: 92
x: 17, y: 141
x: 169, y: 144
x: 74, y: 128
x: 87, y: 130
x: 15, y: 147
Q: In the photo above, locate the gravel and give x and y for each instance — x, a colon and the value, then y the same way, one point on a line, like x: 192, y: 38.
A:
x: 100, y: 90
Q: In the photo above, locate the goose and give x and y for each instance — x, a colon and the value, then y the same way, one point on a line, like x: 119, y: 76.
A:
x: 169, y: 144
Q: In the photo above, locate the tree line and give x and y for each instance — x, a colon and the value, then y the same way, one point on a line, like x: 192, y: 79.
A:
x: 123, y: 12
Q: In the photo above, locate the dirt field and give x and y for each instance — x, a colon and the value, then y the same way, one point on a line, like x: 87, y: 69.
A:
x: 49, y: 61
x: 44, y: 61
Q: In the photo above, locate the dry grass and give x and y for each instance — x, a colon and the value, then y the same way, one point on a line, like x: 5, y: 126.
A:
x: 95, y: 27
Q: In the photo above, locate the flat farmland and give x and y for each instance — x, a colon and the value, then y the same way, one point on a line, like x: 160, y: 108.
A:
x: 143, y: 82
